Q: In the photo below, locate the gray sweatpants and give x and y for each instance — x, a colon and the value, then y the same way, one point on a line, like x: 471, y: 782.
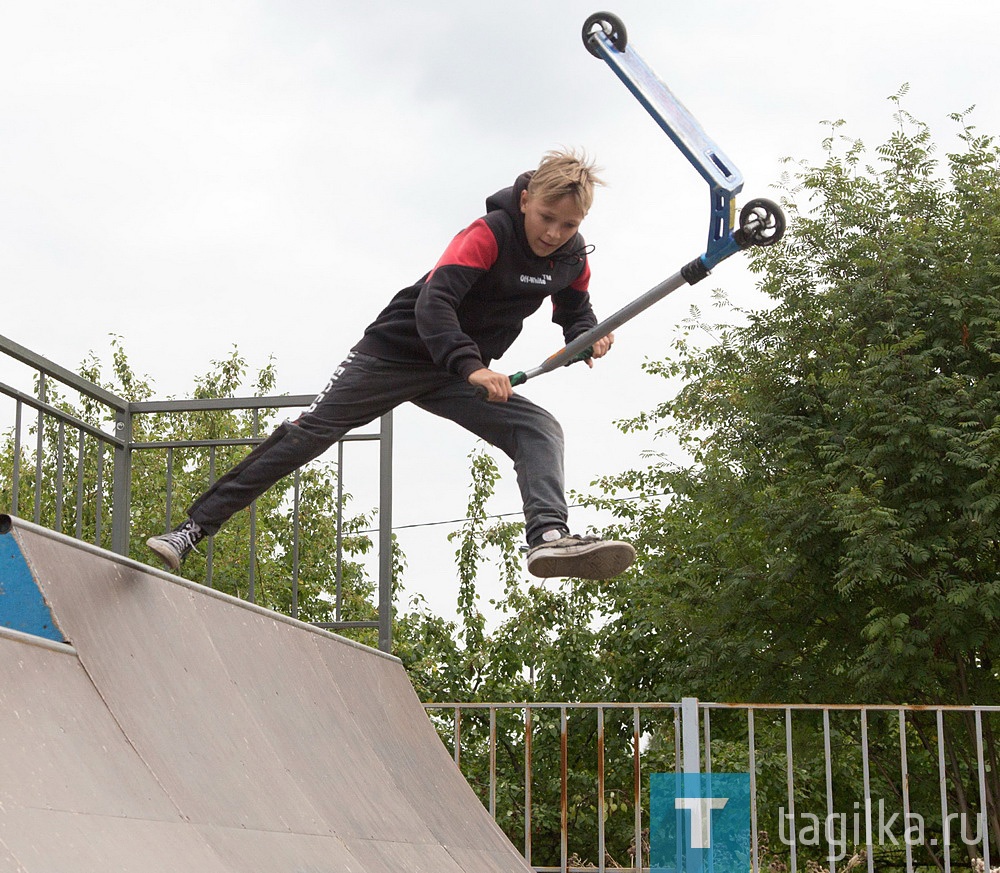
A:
x: 364, y: 388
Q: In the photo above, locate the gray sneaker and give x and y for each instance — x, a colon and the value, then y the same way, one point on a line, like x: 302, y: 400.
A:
x: 580, y: 557
x: 173, y: 547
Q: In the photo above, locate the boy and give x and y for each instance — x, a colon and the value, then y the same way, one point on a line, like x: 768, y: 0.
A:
x: 433, y: 345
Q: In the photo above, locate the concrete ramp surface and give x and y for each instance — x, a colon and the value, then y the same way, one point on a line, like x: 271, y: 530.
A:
x: 148, y: 724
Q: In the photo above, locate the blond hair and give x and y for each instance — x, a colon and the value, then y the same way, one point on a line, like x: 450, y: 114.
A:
x: 562, y: 172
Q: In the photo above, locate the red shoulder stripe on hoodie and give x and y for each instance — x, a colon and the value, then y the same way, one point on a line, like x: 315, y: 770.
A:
x: 474, y: 247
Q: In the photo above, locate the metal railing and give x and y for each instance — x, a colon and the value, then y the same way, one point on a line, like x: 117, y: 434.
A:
x: 832, y: 788
x: 72, y: 453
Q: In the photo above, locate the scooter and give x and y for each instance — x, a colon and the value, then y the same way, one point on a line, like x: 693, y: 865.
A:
x: 761, y: 221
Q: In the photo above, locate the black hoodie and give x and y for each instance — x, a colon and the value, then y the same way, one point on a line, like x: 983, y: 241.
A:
x: 468, y: 310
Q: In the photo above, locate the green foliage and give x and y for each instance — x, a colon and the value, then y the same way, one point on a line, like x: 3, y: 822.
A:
x: 542, y: 647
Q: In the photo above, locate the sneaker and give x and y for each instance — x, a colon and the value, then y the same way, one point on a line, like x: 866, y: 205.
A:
x: 174, y: 547
x: 580, y: 557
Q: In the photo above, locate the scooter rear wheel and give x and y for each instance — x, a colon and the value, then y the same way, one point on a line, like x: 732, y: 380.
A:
x: 762, y: 223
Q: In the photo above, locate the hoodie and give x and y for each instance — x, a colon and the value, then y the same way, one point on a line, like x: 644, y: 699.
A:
x: 469, y: 309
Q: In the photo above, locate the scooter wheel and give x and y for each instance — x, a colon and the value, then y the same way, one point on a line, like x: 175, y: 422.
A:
x: 612, y: 27
x: 762, y: 223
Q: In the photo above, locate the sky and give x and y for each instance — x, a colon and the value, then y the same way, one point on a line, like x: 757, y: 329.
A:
x: 202, y: 175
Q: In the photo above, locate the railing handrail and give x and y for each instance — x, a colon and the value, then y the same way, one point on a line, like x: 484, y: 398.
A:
x: 67, y: 377
x: 208, y: 404
x: 60, y: 415
x: 702, y: 704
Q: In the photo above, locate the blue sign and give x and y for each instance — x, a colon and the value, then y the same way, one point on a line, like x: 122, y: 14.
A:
x: 22, y: 607
x: 699, y: 822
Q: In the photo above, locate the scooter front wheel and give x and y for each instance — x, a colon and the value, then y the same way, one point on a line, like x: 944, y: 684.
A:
x: 612, y: 27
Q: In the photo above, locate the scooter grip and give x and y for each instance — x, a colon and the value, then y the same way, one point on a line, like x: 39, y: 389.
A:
x: 518, y: 378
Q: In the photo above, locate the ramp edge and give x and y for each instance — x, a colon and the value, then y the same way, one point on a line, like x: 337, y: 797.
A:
x: 40, y: 642
x: 12, y: 522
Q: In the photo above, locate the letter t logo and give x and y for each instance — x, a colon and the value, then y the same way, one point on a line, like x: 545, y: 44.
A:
x: 701, y: 817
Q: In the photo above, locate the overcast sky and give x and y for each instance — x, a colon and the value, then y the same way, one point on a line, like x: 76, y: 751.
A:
x: 195, y: 175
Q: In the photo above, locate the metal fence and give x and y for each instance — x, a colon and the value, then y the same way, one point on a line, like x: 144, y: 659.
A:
x: 832, y: 787
x: 72, y: 449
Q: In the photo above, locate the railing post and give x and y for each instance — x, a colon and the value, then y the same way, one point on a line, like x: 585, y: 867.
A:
x: 40, y: 450
x: 690, y: 741
x: 385, y: 563
x: 121, y: 488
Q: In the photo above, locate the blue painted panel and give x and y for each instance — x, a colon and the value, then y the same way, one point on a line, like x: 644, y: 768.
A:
x: 22, y: 607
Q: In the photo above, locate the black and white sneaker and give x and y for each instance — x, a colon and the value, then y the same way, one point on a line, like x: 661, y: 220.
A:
x: 173, y: 547
x: 580, y: 557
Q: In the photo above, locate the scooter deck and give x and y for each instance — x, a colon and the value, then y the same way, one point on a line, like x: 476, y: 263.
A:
x: 725, y: 181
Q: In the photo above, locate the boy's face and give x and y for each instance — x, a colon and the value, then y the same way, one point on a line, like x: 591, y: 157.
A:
x: 548, y: 224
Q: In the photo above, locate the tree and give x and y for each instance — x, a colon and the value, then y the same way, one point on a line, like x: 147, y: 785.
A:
x: 835, y: 533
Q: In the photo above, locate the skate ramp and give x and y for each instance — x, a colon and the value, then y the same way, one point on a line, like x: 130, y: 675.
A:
x: 148, y: 724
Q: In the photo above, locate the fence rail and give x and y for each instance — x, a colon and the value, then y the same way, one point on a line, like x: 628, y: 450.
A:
x: 878, y: 787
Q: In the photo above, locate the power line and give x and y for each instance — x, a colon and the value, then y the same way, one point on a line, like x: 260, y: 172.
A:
x: 456, y: 521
